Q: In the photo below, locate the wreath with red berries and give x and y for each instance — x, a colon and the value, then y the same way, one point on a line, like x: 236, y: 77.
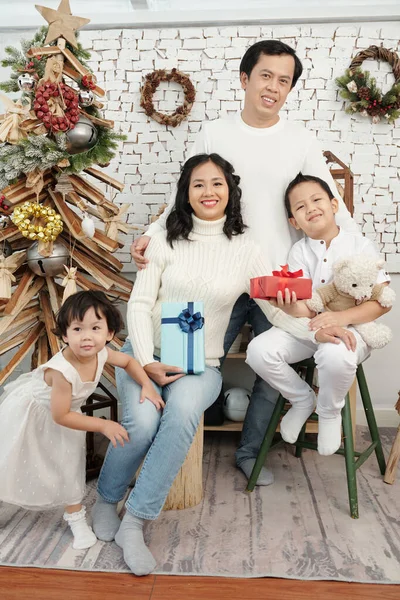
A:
x: 69, y: 105
x: 152, y: 82
x: 362, y: 92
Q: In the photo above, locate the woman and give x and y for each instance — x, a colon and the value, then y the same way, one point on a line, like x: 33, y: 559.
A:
x: 204, y: 255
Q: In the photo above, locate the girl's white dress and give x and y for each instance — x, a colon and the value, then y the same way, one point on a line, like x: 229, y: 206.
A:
x: 42, y: 464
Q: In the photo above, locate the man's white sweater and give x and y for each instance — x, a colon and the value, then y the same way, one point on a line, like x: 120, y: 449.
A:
x: 266, y: 159
x: 209, y: 268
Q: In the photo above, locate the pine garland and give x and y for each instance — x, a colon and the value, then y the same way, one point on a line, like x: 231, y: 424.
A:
x: 42, y: 152
x: 34, y: 152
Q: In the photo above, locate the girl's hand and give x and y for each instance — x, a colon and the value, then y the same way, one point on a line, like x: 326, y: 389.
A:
x: 149, y: 393
x: 158, y: 372
x: 330, y: 319
x: 115, y: 433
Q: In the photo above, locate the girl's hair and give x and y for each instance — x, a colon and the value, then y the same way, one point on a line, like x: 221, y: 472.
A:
x: 179, y: 222
x: 77, y: 305
x: 300, y: 178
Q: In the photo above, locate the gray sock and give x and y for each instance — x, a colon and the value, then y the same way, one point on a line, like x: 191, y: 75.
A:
x: 265, y: 477
x: 105, y: 520
x: 130, y: 538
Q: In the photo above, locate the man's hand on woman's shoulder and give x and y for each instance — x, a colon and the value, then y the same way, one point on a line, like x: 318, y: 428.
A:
x: 138, y: 248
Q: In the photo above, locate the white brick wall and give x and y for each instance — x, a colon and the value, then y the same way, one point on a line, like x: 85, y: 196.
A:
x: 150, y: 159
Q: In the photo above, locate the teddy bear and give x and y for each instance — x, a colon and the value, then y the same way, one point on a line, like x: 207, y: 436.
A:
x: 354, y: 282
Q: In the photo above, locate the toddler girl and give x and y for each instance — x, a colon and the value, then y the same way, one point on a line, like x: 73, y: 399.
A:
x: 42, y: 429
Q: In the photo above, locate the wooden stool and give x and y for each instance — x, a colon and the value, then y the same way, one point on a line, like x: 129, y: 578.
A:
x: 353, y: 459
x: 394, y: 455
x: 187, y: 489
x: 96, y: 402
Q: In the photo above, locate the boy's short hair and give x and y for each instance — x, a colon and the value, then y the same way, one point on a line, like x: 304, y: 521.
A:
x: 77, y: 305
x: 271, y: 48
x: 300, y: 178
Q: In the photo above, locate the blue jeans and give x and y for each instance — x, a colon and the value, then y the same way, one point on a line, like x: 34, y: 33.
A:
x: 163, y: 437
x: 263, y: 396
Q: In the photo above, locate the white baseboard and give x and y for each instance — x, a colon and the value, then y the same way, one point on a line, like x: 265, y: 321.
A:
x: 385, y: 417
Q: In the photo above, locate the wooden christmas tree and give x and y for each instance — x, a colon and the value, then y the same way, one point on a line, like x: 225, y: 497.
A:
x: 50, y: 141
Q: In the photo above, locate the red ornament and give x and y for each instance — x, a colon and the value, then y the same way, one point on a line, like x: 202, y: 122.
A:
x: 89, y: 81
x: 3, y: 205
x: 42, y: 110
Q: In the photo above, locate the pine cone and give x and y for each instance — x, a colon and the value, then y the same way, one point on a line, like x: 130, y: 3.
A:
x: 363, y: 93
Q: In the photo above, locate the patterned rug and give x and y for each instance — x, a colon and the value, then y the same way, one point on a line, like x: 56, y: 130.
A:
x: 297, y: 528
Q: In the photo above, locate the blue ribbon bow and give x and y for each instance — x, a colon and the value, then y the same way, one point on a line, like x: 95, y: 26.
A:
x: 189, y: 322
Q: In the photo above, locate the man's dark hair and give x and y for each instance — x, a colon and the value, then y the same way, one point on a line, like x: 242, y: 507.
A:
x: 269, y: 47
x: 77, y: 305
x: 300, y: 178
x: 179, y: 222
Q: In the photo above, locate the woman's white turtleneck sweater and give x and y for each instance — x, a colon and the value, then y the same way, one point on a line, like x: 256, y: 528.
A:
x: 208, y: 268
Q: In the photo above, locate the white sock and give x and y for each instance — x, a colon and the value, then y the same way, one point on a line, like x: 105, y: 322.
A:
x: 329, y: 434
x: 82, y: 532
x: 295, y: 418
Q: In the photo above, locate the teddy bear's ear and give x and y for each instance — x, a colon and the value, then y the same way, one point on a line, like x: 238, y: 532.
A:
x: 340, y: 264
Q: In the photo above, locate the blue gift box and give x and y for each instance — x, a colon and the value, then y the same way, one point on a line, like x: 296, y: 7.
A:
x: 182, y: 336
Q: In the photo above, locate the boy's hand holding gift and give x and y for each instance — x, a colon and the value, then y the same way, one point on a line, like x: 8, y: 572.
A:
x: 283, y: 289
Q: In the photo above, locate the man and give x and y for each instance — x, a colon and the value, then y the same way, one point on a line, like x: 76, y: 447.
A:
x: 267, y: 152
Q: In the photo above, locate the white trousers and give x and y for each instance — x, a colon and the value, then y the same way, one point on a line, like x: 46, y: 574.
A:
x: 271, y: 353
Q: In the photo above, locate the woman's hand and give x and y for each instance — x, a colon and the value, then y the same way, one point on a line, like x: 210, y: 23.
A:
x: 158, y: 372
x: 339, y: 318
x: 149, y: 393
x: 114, y: 432
x: 138, y: 248
x: 334, y: 335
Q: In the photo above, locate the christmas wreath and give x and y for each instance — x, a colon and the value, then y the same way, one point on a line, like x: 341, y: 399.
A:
x: 362, y: 92
x: 152, y: 82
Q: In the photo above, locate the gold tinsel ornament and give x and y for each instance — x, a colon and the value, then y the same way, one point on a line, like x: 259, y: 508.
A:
x: 28, y: 218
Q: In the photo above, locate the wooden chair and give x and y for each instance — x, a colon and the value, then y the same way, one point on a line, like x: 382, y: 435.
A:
x: 353, y: 459
x: 95, y: 402
x: 394, y: 456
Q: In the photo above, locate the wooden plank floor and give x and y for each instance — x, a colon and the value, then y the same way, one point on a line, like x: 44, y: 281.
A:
x: 53, y: 584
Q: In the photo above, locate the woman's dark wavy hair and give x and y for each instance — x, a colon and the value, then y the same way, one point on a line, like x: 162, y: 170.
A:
x: 77, y: 305
x: 179, y: 222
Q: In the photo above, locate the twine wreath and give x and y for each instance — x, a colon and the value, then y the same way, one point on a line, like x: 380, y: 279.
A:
x: 29, y: 218
x: 152, y: 82
x: 362, y: 92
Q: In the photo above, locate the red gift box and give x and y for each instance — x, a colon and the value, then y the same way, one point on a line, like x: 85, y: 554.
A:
x: 268, y: 286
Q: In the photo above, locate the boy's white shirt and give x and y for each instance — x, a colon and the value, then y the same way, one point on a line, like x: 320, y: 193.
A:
x: 316, y: 260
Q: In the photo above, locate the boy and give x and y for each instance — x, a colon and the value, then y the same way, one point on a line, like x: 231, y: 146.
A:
x: 311, y: 208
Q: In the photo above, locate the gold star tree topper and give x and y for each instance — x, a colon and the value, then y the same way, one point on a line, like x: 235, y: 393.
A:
x: 61, y: 22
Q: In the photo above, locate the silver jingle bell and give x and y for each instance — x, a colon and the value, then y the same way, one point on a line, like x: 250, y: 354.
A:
x: 26, y: 82
x: 5, y: 248
x: 82, y: 137
x: 4, y: 221
x: 47, y: 266
x: 86, y: 98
